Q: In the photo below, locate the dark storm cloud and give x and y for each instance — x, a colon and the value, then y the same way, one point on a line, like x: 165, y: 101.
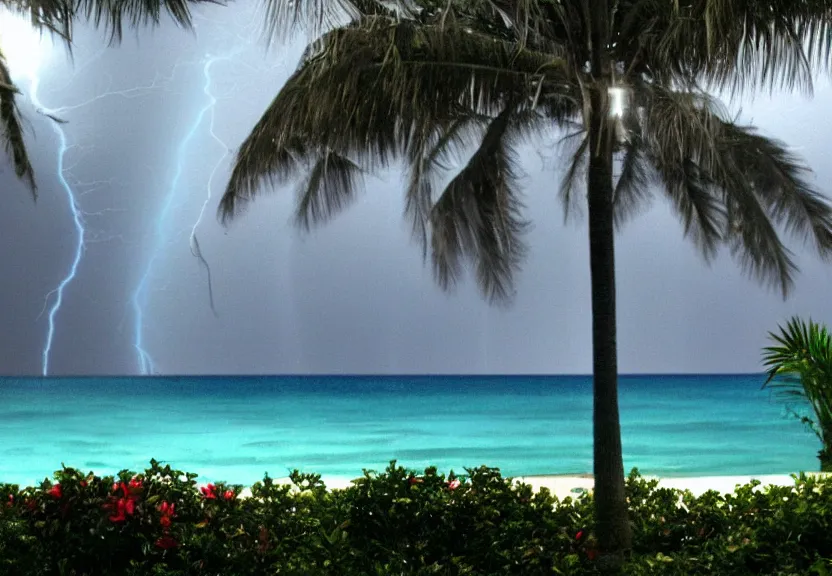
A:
x: 349, y: 297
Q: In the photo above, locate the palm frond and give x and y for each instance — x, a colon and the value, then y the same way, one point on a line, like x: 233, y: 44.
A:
x: 732, y: 45
x: 60, y: 16
x: 478, y: 217
x: 696, y: 201
x: 330, y: 187
x: 364, y: 88
x: 430, y: 150
x: 115, y: 14
x: 276, y: 165
x: 747, y: 183
x: 632, y: 192
x: 799, y: 368
x: 678, y: 132
x: 779, y: 179
x: 572, y: 183
x: 315, y: 17
x: 11, y: 126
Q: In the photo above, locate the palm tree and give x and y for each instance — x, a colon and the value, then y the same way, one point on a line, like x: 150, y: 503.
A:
x: 625, y: 81
x: 800, y: 369
x: 58, y: 18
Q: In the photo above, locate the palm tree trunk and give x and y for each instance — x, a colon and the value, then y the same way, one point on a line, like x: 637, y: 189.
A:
x: 612, y: 525
x: 825, y: 457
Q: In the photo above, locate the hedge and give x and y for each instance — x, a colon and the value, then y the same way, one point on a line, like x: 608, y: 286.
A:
x: 160, y: 522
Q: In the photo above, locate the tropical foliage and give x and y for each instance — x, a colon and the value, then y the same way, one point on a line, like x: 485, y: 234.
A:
x: 58, y: 18
x: 800, y: 369
x: 628, y: 84
x: 161, y: 522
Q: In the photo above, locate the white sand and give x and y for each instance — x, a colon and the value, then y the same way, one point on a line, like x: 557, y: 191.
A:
x: 563, y: 486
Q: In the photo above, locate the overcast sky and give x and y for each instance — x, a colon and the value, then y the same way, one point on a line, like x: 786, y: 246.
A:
x: 353, y: 297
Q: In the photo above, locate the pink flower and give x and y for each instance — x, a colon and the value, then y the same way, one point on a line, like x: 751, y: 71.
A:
x: 454, y: 484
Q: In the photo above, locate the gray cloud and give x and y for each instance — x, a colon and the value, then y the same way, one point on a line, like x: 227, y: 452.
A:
x: 350, y: 297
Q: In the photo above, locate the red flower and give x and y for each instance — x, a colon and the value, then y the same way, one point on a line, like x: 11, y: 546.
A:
x: 166, y: 542
x: 229, y: 495
x: 121, y: 508
x: 414, y: 480
x: 31, y: 505
x: 125, y: 506
x: 209, y: 492
x: 591, y: 553
x: 10, y: 503
x: 454, y: 484
x: 83, y: 483
x: 56, y: 491
x: 167, y: 510
x: 129, y: 489
x: 579, y: 535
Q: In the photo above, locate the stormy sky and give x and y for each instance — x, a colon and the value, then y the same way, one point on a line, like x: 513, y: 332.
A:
x: 351, y: 297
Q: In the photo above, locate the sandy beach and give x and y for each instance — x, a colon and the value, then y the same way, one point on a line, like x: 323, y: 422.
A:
x: 563, y: 486
x: 574, y: 485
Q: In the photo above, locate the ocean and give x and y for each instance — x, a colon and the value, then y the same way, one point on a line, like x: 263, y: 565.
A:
x: 239, y: 428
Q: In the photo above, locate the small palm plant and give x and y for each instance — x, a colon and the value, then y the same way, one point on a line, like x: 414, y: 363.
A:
x: 800, y: 369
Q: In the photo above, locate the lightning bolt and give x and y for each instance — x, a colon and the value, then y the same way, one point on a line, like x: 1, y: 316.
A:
x: 140, y: 296
x: 77, y: 220
x: 77, y: 214
x: 195, y: 249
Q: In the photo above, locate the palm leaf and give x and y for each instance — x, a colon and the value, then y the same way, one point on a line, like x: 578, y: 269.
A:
x: 478, y: 216
x: 778, y: 178
x: 60, y: 15
x: 367, y: 87
x: 282, y: 17
x: 11, y: 125
x: 571, y: 184
x: 799, y: 368
x: 632, y: 192
x: 329, y: 188
x: 678, y: 131
x: 430, y: 150
x: 731, y: 45
x: 741, y: 184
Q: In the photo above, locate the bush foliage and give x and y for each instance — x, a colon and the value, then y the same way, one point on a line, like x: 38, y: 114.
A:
x: 159, y: 522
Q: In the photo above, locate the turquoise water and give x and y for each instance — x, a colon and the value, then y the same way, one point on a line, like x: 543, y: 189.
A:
x: 236, y: 429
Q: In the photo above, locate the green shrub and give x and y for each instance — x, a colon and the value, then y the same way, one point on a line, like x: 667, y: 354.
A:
x: 159, y: 522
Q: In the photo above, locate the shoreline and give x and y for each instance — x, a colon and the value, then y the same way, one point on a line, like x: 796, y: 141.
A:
x: 573, y: 485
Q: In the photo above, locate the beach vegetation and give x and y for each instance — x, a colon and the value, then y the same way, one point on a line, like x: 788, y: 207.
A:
x: 799, y: 365
x: 162, y: 522
x: 453, y: 90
